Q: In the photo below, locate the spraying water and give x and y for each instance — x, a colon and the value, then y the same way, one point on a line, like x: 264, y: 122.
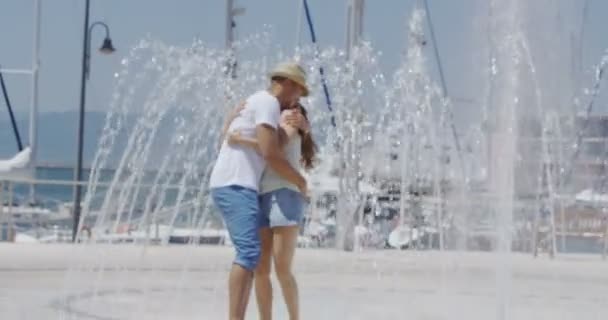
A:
x: 390, y: 149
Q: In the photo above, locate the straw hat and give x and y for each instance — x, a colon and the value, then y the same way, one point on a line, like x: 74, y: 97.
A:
x: 293, y: 72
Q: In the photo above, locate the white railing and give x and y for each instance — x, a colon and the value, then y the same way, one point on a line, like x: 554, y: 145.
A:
x: 10, y: 213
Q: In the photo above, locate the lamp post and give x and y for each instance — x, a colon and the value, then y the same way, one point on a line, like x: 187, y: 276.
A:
x: 231, y: 13
x: 105, y: 48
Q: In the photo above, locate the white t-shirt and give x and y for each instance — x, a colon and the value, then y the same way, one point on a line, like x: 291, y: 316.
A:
x: 271, y: 180
x: 240, y: 165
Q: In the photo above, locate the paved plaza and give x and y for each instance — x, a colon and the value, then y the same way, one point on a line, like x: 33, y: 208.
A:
x: 184, y: 282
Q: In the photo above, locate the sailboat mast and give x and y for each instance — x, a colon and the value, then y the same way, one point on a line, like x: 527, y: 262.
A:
x: 33, y: 130
x: 355, y: 10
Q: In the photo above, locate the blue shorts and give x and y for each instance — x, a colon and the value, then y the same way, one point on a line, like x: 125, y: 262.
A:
x: 239, y: 208
x: 281, y: 208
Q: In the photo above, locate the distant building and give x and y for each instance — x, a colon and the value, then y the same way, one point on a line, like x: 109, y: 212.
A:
x: 590, y: 169
x: 573, y: 167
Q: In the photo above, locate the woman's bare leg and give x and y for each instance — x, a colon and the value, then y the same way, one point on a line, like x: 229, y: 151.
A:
x: 263, y: 286
x: 285, y: 240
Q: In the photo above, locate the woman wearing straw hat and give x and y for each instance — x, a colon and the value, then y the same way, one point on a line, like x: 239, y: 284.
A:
x: 238, y: 170
x: 281, y: 206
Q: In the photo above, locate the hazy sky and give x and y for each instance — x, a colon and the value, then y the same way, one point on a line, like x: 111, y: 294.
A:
x: 179, y: 21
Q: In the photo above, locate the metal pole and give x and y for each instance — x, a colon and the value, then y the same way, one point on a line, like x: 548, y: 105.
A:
x: 313, y: 38
x: 15, y: 71
x: 435, y: 49
x: 3, y: 221
x: 354, y: 24
x: 605, y: 252
x: 299, y: 24
x: 581, y: 42
x: 231, y: 12
x: 560, y: 185
x: 349, y: 19
x: 10, y: 113
x: 231, y: 63
x: 229, y: 24
x: 11, y: 223
x: 83, y: 79
x: 444, y: 87
x: 449, y: 109
x: 358, y: 22
x: 34, y: 100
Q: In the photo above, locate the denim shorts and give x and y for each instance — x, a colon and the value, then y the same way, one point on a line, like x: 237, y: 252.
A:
x: 239, y: 207
x: 281, y: 208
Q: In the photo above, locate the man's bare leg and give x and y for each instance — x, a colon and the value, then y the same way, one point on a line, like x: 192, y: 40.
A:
x: 239, y: 288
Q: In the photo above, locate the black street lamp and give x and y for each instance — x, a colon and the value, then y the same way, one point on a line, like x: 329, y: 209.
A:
x: 105, y: 48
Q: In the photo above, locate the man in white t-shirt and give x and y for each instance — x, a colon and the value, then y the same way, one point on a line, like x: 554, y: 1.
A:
x: 238, y: 170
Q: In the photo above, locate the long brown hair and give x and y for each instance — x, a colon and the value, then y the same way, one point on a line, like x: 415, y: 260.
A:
x: 309, y: 147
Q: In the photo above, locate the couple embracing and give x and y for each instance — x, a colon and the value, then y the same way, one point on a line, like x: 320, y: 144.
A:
x: 258, y: 188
